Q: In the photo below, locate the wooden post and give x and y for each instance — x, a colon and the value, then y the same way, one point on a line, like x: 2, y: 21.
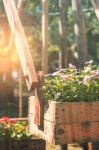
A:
x: 20, y: 94
x: 45, y: 36
x: 63, y: 33
x: 95, y: 4
x: 21, y: 44
x: 79, y: 29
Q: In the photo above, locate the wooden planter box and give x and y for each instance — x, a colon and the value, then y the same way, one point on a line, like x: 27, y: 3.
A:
x: 68, y: 122
x: 35, y: 144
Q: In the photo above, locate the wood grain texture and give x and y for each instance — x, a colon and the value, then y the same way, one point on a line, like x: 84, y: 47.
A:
x: 69, y: 112
x: 69, y: 122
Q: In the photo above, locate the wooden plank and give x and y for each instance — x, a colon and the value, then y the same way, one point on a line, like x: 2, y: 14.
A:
x: 69, y: 112
x: 19, y: 119
x: 71, y: 122
x: 34, y: 110
x: 79, y: 28
x: 95, y: 4
x: 67, y: 133
x: 21, y: 44
x: 39, y: 94
x: 35, y: 130
x: 36, y: 104
x: 71, y: 133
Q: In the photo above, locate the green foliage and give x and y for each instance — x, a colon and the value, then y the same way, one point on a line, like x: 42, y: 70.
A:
x: 68, y: 85
x: 53, y: 55
x: 34, y: 12
x: 12, y: 129
x: 92, y: 30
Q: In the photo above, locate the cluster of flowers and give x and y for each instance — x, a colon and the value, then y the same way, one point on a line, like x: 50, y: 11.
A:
x: 71, y: 85
x: 13, y: 129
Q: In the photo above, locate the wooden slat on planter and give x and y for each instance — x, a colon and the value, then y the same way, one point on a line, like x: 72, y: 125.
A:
x: 69, y: 122
x: 71, y: 133
x: 71, y: 112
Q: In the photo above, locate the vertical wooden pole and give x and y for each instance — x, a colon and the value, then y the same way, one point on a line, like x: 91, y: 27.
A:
x: 20, y: 93
x: 45, y: 36
x: 63, y: 33
x: 40, y: 98
x: 79, y: 29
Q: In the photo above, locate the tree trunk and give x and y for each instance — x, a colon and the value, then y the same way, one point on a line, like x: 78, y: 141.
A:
x: 79, y: 29
x: 63, y: 34
x: 45, y: 36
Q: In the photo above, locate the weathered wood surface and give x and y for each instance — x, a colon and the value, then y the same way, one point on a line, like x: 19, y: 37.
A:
x: 34, y: 111
x: 37, y: 103
x: 95, y: 4
x: 69, y: 112
x: 40, y: 100
x: 71, y: 133
x: 19, y: 119
x: 21, y: 44
x: 66, y: 123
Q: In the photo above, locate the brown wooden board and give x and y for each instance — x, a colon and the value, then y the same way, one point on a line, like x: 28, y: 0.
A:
x: 21, y: 43
x: 69, y: 122
x: 69, y: 112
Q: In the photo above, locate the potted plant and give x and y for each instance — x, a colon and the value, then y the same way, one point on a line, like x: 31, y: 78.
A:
x: 14, y: 135
x: 71, y: 105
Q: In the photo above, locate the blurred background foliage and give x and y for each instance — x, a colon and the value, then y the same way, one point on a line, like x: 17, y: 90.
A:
x: 32, y: 9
